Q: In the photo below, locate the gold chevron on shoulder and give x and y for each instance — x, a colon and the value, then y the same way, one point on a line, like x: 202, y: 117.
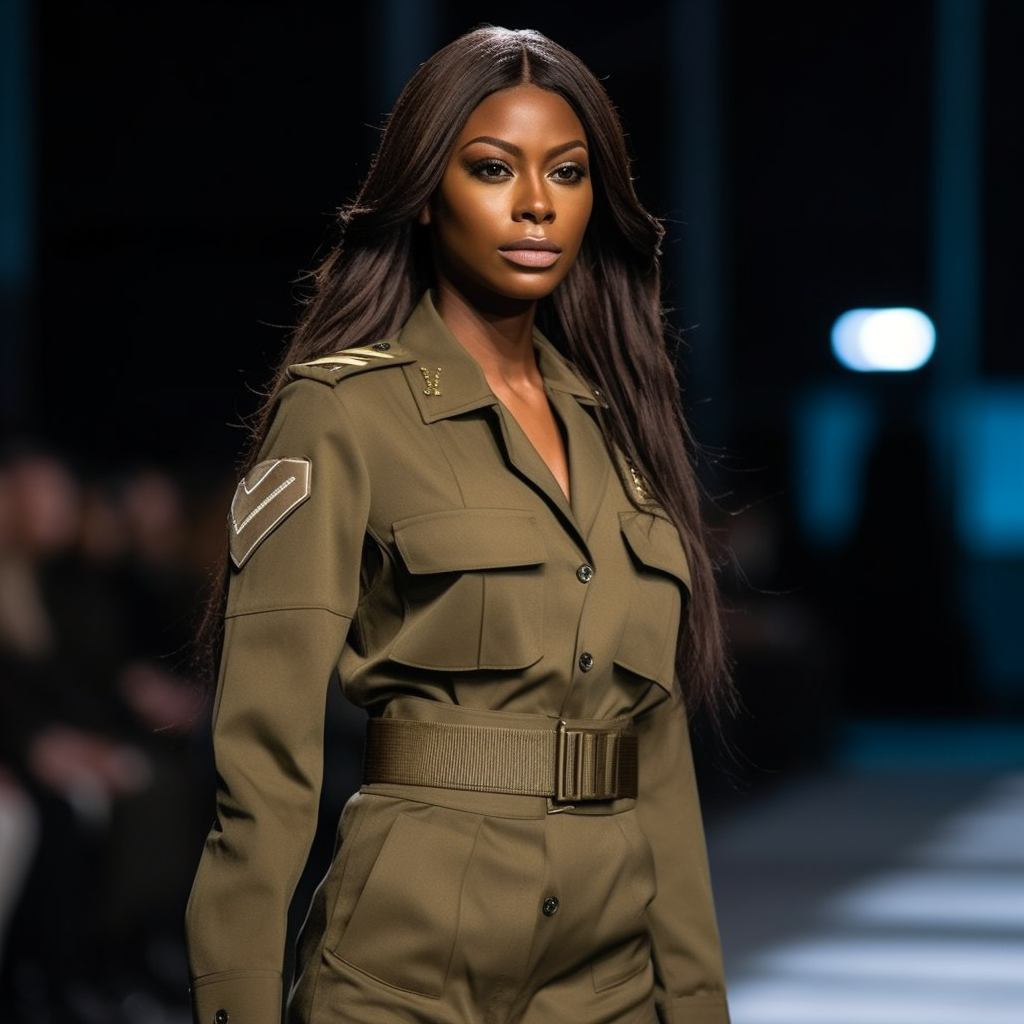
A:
x: 361, y: 356
x: 346, y: 362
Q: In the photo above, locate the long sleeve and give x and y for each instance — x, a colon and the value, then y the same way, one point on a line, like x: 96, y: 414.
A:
x: 687, y: 953
x: 287, y: 617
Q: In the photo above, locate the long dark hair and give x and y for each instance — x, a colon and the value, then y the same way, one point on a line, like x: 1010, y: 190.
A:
x: 606, y: 316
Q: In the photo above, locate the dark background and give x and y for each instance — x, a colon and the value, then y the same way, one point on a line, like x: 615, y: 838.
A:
x: 185, y: 162
x: 188, y: 157
x: 168, y: 172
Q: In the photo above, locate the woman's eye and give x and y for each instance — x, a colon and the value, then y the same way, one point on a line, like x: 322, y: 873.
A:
x: 490, y: 169
x: 570, y: 173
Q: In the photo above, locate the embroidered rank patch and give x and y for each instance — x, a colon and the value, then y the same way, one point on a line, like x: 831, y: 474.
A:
x: 268, y: 494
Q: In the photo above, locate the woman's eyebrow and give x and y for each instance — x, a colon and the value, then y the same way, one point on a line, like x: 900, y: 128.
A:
x: 514, y: 150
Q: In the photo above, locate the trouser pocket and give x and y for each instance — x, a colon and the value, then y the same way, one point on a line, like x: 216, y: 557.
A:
x: 403, y: 928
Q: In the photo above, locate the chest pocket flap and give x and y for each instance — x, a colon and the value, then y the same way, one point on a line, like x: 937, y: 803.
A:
x: 648, y: 644
x: 655, y: 544
x: 474, y: 596
x: 464, y: 540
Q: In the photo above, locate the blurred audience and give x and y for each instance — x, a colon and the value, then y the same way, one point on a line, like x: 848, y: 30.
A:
x: 19, y: 822
x: 105, y: 780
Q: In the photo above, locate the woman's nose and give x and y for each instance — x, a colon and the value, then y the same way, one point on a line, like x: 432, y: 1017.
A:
x: 533, y: 203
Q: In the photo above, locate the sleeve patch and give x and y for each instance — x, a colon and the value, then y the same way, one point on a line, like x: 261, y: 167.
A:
x: 264, y: 498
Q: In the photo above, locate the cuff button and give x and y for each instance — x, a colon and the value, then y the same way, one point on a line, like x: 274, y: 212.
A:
x: 221, y: 1017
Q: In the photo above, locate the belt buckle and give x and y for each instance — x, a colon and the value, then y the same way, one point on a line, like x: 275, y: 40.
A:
x: 586, y: 764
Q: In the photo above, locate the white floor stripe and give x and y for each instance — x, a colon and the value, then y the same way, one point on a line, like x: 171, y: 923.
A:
x: 939, y: 944
x: 942, y: 962
x: 953, y: 899
x: 802, y: 1001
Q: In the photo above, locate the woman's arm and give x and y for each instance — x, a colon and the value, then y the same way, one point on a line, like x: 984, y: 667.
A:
x: 288, y: 611
x: 687, y: 954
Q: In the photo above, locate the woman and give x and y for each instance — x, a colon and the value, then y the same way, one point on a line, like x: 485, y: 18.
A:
x: 489, y: 533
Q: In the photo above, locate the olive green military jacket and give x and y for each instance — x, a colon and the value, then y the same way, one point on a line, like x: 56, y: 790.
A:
x: 401, y: 532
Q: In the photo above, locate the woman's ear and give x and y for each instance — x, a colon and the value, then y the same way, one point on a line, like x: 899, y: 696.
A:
x: 423, y: 217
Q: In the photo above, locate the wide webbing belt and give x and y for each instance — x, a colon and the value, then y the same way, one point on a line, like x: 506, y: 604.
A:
x: 563, y: 763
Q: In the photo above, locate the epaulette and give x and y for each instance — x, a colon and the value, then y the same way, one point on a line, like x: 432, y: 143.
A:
x: 350, y: 361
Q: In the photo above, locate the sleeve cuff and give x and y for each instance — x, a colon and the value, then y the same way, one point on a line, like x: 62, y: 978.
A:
x: 705, y: 1008
x: 237, y: 997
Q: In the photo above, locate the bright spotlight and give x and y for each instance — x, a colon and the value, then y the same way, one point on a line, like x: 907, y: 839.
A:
x: 891, y: 340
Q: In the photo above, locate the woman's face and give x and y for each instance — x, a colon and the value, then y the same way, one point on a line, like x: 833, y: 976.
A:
x: 513, y: 205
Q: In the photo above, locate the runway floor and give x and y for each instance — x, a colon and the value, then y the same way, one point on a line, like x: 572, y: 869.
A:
x: 886, y: 889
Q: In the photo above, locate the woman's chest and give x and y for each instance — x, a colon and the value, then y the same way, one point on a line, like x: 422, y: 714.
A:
x: 480, y: 569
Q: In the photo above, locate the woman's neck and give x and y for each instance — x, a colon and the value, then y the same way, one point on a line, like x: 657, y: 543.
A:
x: 501, y: 341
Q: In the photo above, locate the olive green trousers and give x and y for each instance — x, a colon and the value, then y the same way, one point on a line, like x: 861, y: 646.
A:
x: 476, y: 908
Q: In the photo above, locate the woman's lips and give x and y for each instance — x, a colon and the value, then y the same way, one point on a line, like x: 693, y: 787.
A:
x: 531, y: 252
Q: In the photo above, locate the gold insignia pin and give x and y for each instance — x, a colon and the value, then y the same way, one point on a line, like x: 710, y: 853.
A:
x: 638, y: 483
x: 432, y: 378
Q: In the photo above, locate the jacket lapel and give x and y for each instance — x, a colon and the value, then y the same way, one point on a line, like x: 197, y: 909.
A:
x: 446, y: 382
x: 573, y: 401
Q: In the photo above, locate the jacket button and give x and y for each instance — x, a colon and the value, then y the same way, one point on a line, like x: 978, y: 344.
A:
x: 550, y: 906
x: 586, y: 661
x: 585, y: 573
x: 381, y: 346
x: 221, y: 1017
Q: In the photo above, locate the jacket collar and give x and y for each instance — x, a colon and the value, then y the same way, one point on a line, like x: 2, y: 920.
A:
x: 446, y: 380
